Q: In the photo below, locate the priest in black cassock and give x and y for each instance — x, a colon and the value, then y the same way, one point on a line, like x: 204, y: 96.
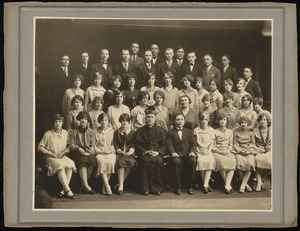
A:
x: 151, y: 147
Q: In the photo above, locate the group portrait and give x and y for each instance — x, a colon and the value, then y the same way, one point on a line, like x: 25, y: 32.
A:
x: 143, y: 109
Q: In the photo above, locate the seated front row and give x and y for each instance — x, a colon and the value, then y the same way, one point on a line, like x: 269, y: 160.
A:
x: 202, y: 150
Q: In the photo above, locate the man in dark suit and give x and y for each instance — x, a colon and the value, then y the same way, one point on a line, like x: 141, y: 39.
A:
x: 103, y: 68
x: 124, y: 68
x: 134, y: 58
x: 228, y: 71
x: 156, y: 59
x: 252, y: 86
x: 85, y: 69
x: 192, y: 68
x: 182, y: 147
x: 180, y: 60
x: 61, y: 81
x: 150, y: 145
x: 210, y: 72
x: 168, y: 66
x: 144, y: 70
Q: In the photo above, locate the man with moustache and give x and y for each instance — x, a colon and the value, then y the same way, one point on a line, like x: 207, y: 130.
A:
x: 182, y: 148
x: 103, y: 68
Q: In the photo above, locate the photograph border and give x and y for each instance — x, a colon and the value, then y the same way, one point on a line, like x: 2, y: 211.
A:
x: 19, y: 89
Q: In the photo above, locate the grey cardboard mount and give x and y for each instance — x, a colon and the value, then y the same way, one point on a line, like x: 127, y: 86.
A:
x: 19, y: 117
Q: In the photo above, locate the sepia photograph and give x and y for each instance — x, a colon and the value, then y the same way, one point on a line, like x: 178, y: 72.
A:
x: 151, y: 115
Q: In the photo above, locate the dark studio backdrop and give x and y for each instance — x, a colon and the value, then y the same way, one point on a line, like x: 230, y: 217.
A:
x: 247, y: 42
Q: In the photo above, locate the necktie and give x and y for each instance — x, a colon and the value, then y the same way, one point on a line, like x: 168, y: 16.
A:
x: 169, y: 64
x: 85, y: 66
x: 126, y: 66
x: 191, y: 66
x: 66, y: 71
x: 224, y: 69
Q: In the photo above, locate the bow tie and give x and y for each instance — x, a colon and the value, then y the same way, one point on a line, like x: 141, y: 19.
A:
x: 191, y: 64
x: 103, y: 62
x: 179, y: 129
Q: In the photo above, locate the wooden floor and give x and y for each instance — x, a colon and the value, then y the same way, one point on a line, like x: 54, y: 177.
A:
x: 168, y: 200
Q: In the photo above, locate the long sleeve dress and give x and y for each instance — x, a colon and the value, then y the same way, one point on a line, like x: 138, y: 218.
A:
x: 105, y: 151
x: 245, y: 149
x: 125, y: 142
x: 205, y: 140
x: 263, y: 158
x: 67, y: 98
x: 222, y: 149
x: 56, y: 143
x: 83, y: 138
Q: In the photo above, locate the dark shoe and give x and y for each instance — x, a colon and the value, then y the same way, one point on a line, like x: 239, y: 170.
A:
x: 248, y: 188
x: 61, y: 194
x: 70, y: 195
x: 90, y: 191
x: 196, y: 186
x: 156, y: 193
x: 205, y: 190
x: 120, y: 192
x: 146, y: 193
x: 231, y: 190
x: 178, y: 192
x: 190, y: 191
x: 116, y: 186
x: 227, y: 191
x: 210, y: 189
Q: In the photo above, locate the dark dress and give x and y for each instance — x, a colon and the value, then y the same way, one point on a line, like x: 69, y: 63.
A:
x: 124, y: 142
x: 85, y: 139
x: 154, y: 139
x: 131, y: 98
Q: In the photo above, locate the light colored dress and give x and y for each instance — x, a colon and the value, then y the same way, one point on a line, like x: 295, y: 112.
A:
x: 114, y: 113
x: 171, y: 99
x: 162, y: 117
x: 250, y: 114
x: 217, y: 99
x: 91, y: 92
x: 138, y: 113
x: 263, y: 159
x: 193, y: 94
x: 72, y: 122
x: 56, y: 143
x: 67, y: 98
x: 201, y: 93
x: 222, y: 149
x: 105, y: 151
x: 151, y: 91
x: 245, y: 149
x: 205, y: 139
x: 94, y: 114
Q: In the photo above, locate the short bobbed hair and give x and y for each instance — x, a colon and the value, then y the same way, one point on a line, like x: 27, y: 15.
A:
x: 115, y: 77
x: 97, y: 75
x: 131, y: 76
x: 190, y: 78
x: 169, y: 74
x: 96, y: 99
x: 125, y: 117
x: 206, y: 97
x: 199, y: 79
x: 221, y: 116
x: 203, y: 116
x: 78, y: 76
x: 247, y: 96
x: 258, y: 100
x: 117, y: 93
x: 241, y: 79
x: 160, y: 93
x: 228, y: 95
x: 150, y: 75
x: 216, y: 82
x: 263, y: 114
x: 143, y: 94
x: 185, y: 96
x: 77, y: 97
x: 229, y: 81
x: 244, y: 118
x: 101, y: 117
x: 59, y: 117
x: 83, y: 114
